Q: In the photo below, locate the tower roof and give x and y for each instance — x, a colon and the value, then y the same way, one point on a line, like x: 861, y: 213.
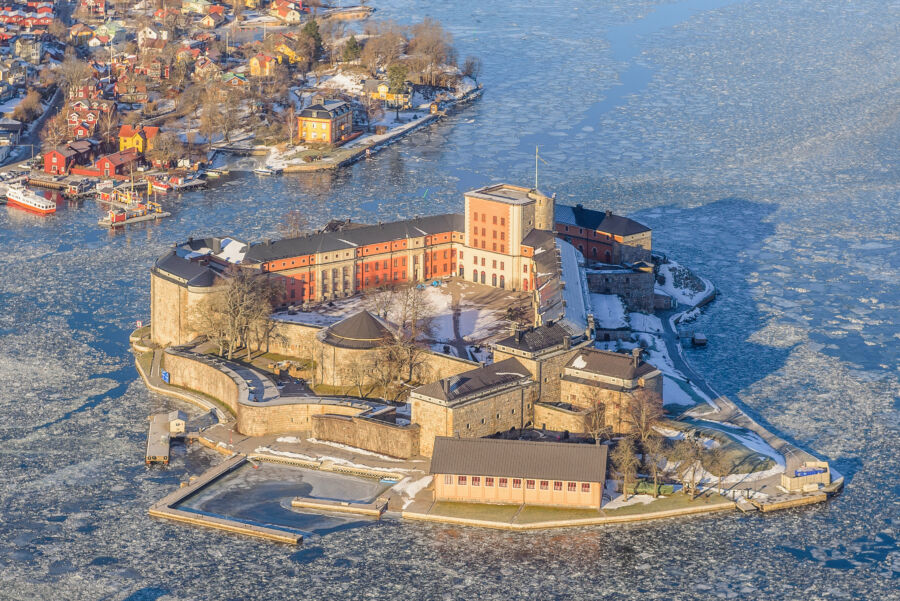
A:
x: 359, y: 331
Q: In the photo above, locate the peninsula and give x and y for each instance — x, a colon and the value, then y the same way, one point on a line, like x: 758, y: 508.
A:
x: 517, y: 365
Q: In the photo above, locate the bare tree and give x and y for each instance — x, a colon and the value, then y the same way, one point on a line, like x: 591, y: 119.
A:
x: 642, y: 412
x: 718, y: 464
x: 55, y: 131
x: 595, y: 424
x: 357, y: 371
x: 653, y: 456
x: 75, y: 72
x: 472, y: 67
x: 688, y: 454
x: 625, y: 462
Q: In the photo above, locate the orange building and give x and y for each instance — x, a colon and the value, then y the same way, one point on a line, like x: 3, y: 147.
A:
x: 325, y: 122
x: 485, y: 470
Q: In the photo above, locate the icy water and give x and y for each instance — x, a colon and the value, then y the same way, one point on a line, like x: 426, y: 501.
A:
x: 759, y: 139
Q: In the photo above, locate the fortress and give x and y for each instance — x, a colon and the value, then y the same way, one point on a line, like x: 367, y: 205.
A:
x: 509, y: 238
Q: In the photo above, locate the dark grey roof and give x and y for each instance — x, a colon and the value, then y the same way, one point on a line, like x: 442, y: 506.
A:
x: 188, y: 272
x: 476, y: 380
x: 607, y: 363
x: 606, y: 222
x: 536, y: 339
x: 371, y: 85
x: 348, y: 239
x: 539, y: 239
x: 326, y: 109
x: 519, y: 459
x: 359, y: 331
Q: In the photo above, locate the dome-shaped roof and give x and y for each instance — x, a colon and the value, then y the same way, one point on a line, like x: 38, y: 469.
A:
x: 359, y: 331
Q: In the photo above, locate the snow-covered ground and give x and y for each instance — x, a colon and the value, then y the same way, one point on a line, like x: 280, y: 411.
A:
x: 682, y: 285
x: 609, y: 312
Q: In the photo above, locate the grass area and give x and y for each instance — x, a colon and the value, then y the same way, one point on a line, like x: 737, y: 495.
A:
x: 145, y: 360
x: 676, y: 501
x: 475, y: 511
x: 532, y: 514
x: 740, y: 459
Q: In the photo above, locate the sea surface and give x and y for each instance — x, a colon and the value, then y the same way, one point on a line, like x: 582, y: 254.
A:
x: 758, y: 138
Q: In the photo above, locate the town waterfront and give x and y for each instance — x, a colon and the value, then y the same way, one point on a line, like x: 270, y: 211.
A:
x: 758, y: 139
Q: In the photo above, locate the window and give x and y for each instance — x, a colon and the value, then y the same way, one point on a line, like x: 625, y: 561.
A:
x: 367, y: 268
x: 483, y: 218
x: 488, y: 481
x: 482, y: 261
x: 495, y: 220
x: 502, y: 266
x: 503, y: 248
x: 494, y: 264
x: 529, y: 484
x: 525, y: 268
x: 585, y: 487
x: 545, y: 485
x: 517, y: 483
x: 475, y: 259
x: 557, y: 485
x: 483, y: 232
x: 446, y: 254
x: 475, y: 216
x: 460, y: 255
x: 448, y: 479
x: 495, y: 247
x: 503, y: 482
x: 461, y: 480
x: 503, y: 235
x: 494, y: 280
x: 482, y: 420
x: 482, y: 277
x: 503, y: 285
x: 476, y: 480
x: 494, y: 233
x: 482, y: 242
x: 571, y: 487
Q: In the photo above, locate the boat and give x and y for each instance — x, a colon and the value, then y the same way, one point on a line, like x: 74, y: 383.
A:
x: 265, y: 171
x: 140, y: 212
x: 186, y: 182
x: 698, y: 339
x: 20, y: 196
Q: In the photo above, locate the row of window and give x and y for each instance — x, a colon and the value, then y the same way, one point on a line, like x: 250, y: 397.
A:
x: 475, y: 262
x: 484, y: 233
x: 484, y: 218
x: 489, y: 482
x: 482, y: 244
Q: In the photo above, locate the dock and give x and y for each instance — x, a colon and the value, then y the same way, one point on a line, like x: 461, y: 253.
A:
x: 158, y: 439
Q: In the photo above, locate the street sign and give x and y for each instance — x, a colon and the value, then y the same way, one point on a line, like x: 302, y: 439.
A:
x: 140, y: 323
x: 165, y: 375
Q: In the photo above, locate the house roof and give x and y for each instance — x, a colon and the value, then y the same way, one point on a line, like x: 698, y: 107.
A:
x: 120, y: 158
x: 536, y: 339
x: 65, y: 151
x: 371, y: 85
x: 350, y: 239
x: 607, y: 363
x: 359, y: 331
x: 474, y: 381
x: 519, y: 459
x: 185, y: 271
x: 327, y: 109
x: 601, y: 221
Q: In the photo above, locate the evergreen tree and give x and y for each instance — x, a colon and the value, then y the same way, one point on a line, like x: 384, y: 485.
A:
x: 352, y: 49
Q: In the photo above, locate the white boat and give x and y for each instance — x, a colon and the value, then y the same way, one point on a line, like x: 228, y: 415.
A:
x: 20, y: 196
x: 264, y: 171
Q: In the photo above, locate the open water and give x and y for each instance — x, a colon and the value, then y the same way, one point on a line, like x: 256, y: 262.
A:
x: 760, y: 140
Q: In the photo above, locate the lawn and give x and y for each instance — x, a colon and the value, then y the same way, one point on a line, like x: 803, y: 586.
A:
x: 145, y: 360
x: 475, y: 511
x: 532, y: 514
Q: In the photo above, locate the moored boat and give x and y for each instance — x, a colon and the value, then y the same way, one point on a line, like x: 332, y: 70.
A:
x: 20, y: 196
x: 264, y: 171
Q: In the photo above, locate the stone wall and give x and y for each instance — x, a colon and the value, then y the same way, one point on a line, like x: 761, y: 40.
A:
x: 293, y: 339
x: 369, y: 434
x: 552, y: 417
x: 586, y: 395
x: 282, y: 418
x: 635, y: 288
x: 198, y: 376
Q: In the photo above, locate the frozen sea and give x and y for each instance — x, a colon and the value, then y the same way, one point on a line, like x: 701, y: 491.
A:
x: 760, y: 140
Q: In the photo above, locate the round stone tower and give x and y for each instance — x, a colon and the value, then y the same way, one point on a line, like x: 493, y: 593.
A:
x: 543, y: 211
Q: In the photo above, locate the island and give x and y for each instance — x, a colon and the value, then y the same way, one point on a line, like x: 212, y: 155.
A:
x: 517, y: 365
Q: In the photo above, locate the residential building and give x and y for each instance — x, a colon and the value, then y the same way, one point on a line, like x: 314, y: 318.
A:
x: 59, y: 160
x: 602, y: 236
x: 485, y: 470
x: 139, y: 138
x: 325, y: 122
x: 262, y: 65
x: 30, y: 49
x: 379, y: 89
x: 10, y: 130
x: 117, y: 164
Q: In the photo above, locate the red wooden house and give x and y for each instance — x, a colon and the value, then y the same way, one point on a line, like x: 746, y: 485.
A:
x: 59, y: 160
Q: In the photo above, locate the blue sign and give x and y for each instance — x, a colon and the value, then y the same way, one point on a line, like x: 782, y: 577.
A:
x: 165, y: 375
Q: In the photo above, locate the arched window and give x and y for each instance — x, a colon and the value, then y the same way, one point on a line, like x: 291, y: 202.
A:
x: 482, y: 277
x: 494, y: 280
x: 475, y: 276
x: 462, y: 271
x: 502, y: 282
x: 525, y: 285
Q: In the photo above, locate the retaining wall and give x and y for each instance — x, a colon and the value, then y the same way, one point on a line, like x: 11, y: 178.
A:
x: 369, y: 434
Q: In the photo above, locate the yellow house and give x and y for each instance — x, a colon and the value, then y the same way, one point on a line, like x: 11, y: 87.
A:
x: 285, y: 53
x: 262, y: 65
x: 141, y: 139
x: 325, y: 122
x: 378, y: 89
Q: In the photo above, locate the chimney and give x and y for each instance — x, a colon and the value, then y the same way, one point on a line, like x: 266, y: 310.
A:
x: 268, y: 241
x: 567, y: 342
x: 608, y: 213
x: 217, y: 245
x: 636, y: 356
x: 518, y: 335
x: 579, y: 206
x: 445, y: 386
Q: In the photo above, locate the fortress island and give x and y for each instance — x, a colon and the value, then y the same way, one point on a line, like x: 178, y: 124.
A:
x: 517, y: 365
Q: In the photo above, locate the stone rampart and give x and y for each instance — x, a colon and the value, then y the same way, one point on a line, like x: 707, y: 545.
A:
x: 369, y: 434
x: 560, y: 419
x: 289, y: 416
x: 207, y: 379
